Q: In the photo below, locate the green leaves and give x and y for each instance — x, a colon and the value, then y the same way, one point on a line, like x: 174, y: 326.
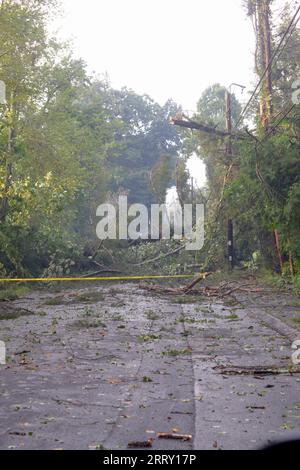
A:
x: 66, y: 141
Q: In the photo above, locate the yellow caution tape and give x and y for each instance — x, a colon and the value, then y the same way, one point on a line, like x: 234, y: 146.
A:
x: 103, y: 278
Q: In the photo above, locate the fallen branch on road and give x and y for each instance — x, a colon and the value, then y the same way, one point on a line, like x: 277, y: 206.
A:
x: 179, y: 437
x: 256, y: 370
x: 177, y: 290
x: 199, y: 278
x: 223, y: 290
x: 242, y: 288
x: 141, y: 445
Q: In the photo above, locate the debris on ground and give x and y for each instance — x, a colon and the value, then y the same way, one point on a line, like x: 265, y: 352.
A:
x: 141, y: 444
x: 180, y: 437
x: 223, y: 290
x: 256, y: 370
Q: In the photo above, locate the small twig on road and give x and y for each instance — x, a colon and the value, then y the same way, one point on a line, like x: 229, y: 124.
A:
x: 243, y: 288
x: 179, y: 437
x: 141, y: 445
x: 78, y: 403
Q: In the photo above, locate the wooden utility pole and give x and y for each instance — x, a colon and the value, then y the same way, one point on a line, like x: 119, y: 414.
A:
x: 228, y: 122
x: 230, y: 244
x: 229, y: 154
x: 267, y: 46
x: 264, y: 47
x: 192, y: 189
x: 193, y: 200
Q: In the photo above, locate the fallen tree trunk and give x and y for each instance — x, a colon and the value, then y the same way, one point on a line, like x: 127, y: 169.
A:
x: 256, y: 370
x: 205, y: 128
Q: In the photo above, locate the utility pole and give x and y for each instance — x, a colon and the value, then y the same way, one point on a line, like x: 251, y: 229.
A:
x: 229, y: 152
x: 193, y: 198
x: 265, y: 53
x: 192, y: 189
x: 228, y: 122
x: 230, y: 244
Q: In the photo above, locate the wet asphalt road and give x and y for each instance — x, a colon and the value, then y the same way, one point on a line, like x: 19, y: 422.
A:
x: 102, y: 367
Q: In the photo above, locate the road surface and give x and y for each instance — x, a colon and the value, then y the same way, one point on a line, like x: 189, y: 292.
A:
x: 100, y: 367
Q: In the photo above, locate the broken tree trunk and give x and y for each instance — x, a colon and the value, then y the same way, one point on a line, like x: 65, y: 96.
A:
x: 201, y: 277
x: 204, y: 128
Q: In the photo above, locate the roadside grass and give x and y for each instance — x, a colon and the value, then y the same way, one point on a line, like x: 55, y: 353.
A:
x: 13, y: 293
x: 281, y: 282
x: 14, y: 314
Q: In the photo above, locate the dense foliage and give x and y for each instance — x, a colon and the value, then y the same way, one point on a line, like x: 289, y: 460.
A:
x: 67, y: 142
x: 258, y: 186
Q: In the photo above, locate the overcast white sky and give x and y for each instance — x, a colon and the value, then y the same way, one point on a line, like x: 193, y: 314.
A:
x: 164, y: 48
